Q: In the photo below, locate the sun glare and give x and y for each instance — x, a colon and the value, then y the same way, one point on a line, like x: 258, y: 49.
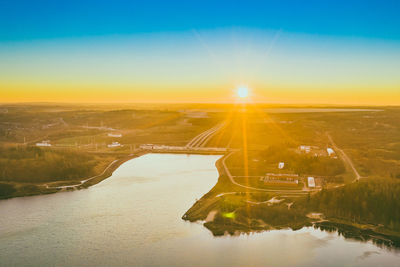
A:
x: 243, y: 92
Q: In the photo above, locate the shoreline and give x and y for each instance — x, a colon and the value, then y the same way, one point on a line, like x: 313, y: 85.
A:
x: 44, y: 189
x: 201, y: 210
x: 31, y: 189
x: 207, y: 207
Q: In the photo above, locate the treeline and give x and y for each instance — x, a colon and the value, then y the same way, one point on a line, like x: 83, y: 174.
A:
x: 303, y: 163
x: 120, y: 119
x: 33, y: 164
x: 6, y: 190
x: 373, y: 201
x: 275, y: 215
x: 278, y: 215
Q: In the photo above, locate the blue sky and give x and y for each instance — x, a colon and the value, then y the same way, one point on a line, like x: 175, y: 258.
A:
x: 287, y: 51
x: 27, y: 20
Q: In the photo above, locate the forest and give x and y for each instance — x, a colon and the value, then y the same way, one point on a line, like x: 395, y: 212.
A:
x: 33, y: 164
x: 368, y: 202
x: 303, y: 163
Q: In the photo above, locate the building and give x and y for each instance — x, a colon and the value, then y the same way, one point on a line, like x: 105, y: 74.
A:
x: 146, y: 146
x: 280, y: 180
x: 311, y: 182
x: 161, y: 147
x: 44, y: 143
x: 114, y: 144
x: 114, y: 135
x: 305, y: 149
x: 330, y: 151
x: 281, y: 165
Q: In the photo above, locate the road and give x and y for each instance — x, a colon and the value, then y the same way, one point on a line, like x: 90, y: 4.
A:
x: 83, y: 181
x: 231, y: 178
x: 202, y: 139
x: 345, y: 158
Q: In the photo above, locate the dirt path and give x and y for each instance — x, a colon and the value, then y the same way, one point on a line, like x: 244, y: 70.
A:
x: 345, y: 158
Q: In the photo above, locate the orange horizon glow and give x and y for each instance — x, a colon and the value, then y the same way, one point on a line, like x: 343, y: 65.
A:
x: 193, y: 94
x: 202, y: 67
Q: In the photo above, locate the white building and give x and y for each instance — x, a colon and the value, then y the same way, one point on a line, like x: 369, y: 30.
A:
x: 161, y: 147
x: 114, y: 135
x: 146, y: 146
x: 306, y: 149
x: 311, y: 182
x: 44, y: 143
x: 114, y: 144
x: 330, y: 151
x: 281, y: 165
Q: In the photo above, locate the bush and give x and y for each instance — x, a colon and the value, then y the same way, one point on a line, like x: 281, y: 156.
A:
x: 6, y: 189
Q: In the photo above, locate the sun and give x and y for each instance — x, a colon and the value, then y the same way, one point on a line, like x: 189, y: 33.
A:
x: 243, y: 92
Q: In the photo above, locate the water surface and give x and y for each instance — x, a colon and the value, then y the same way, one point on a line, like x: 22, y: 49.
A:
x: 134, y: 218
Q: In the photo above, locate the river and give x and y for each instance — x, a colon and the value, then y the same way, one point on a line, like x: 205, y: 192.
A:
x: 134, y: 218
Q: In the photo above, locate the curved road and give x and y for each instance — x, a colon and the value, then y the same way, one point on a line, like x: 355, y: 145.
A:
x: 345, y: 158
x: 83, y: 181
x: 287, y: 192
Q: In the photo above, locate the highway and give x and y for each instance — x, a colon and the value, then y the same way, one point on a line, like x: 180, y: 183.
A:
x: 196, y: 146
x: 202, y: 139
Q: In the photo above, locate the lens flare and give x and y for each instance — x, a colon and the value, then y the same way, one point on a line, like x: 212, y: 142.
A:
x: 243, y: 92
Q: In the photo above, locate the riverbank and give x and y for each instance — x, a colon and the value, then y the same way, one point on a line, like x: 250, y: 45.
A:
x: 12, y: 190
x: 230, y: 209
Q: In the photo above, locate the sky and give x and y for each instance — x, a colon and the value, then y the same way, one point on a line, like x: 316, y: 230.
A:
x: 336, y: 52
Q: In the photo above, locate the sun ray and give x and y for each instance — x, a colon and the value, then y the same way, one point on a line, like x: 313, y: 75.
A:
x: 244, y: 121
